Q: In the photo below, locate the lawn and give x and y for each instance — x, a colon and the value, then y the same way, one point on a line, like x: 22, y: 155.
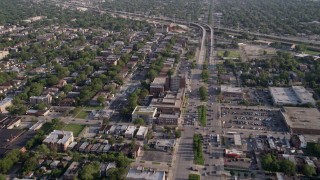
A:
x: 312, y: 52
x: 75, y: 128
x: 82, y: 115
x: 197, y: 149
x: 232, y: 54
x: 194, y: 177
x: 202, y: 113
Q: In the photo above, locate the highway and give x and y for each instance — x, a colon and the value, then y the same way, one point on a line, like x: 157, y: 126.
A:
x: 311, y: 44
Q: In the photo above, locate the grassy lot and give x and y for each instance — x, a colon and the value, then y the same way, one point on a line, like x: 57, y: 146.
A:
x: 232, y: 54
x: 197, y: 150
x: 312, y: 52
x: 75, y: 128
x: 82, y: 115
x: 202, y: 111
x: 194, y: 177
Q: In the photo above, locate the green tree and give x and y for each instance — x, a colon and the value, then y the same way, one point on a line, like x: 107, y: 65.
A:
x: 90, y: 171
x: 30, y: 164
x: 308, y: 170
x: 41, y: 106
x: 287, y: 167
x: 122, y: 161
x: 177, y: 133
x: 226, y: 54
x: 194, y: 177
x: 139, y: 121
x: 43, y: 150
x: 101, y: 99
x: 67, y: 88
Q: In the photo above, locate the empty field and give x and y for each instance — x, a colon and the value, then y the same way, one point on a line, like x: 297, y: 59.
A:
x: 75, y: 128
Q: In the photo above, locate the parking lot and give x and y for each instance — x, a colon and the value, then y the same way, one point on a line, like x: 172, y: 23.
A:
x: 157, y: 156
x: 252, y: 119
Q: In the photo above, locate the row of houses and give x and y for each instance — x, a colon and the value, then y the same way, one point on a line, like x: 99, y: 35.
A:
x: 125, y: 130
x: 129, y: 150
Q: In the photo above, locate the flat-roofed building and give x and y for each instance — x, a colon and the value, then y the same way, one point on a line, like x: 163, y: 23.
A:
x: 158, y: 85
x: 142, y: 132
x: 47, y: 99
x: 72, y: 171
x: 168, y: 119
x: 59, y: 140
x: 177, y: 82
x: 233, y: 153
x: 302, y: 120
x: 169, y: 103
x: 237, y: 140
x: 231, y: 92
x: 130, y: 131
x: 140, y: 173
x: 165, y: 144
x: 147, y: 113
x: 6, y: 102
x: 295, y: 95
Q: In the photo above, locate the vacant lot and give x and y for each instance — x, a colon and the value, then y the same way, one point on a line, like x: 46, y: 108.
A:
x: 82, y: 115
x: 156, y: 156
x: 75, y: 128
x: 258, y: 51
x: 231, y: 54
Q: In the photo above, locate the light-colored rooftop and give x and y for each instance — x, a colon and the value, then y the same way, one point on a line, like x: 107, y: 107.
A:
x: 166, y: 142
x: 59, y: 137
x: 5, y: 101
x: 304, y: 118
x: 144, y: 110
x: 237, y: 140
x: 134, y: 173
x: 158, y: 81
x: 130, y: 130
x: 291, y: 95
x: 231, y: 89
x: 142, y: 130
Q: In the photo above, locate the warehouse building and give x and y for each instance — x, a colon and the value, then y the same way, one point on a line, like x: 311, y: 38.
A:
x: 295, y: 95
x: 302, y: 120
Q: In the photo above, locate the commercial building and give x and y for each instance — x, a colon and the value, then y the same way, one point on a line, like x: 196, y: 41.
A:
x: 145, y: 112
x: 59, y: 140
x: 177, y: 82
x: 302, y: 120
x: 159, y: 85
x: 169, y: 103
x: 130, y: 131
x: 47, y: 99
x: 233, y: 153
x: 142, y: 132
x: 230, y: 92
x: 295, y: 95
x: 168, y: 119
x: 6, y: 102
x: 140, y: 173
x: 165, y: 144
x: 237, y: 140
